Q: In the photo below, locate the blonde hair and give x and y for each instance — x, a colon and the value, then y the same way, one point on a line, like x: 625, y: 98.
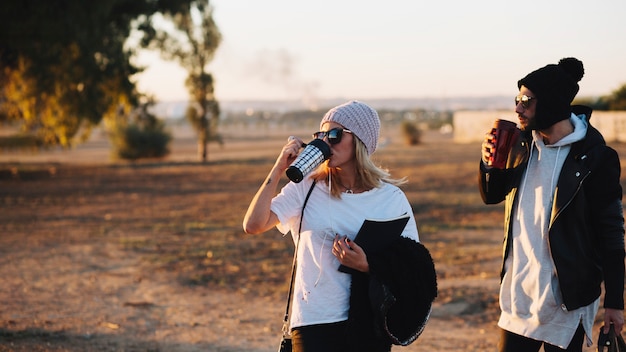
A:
x: 368, y: 174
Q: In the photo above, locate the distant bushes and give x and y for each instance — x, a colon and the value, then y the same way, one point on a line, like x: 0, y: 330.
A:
x: 20, y: 141
x: 135, y: 142
x: 144, y: 136
x: 411, y: 133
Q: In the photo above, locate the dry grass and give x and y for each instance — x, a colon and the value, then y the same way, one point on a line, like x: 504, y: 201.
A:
x: 150, y: 256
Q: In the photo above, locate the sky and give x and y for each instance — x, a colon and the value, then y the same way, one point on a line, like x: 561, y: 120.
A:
x: 297, y: 50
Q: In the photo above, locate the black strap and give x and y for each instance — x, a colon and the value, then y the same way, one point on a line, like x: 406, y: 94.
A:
x: 293, y: 266
x: 611, y: 342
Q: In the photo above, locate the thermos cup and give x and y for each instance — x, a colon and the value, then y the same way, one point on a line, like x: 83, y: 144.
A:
x: 313, y: 155
x: 506, y: 133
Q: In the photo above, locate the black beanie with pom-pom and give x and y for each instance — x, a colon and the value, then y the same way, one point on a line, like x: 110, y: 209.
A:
x: 555, y: 87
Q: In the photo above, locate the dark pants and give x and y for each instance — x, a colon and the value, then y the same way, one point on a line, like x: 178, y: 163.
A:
x: 320, y: 338
x: 510, y: 342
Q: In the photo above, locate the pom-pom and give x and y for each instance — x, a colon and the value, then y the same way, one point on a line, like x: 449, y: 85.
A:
x: 573, y: 67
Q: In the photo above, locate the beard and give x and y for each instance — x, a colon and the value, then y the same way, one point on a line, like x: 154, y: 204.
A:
x: 528, y: 123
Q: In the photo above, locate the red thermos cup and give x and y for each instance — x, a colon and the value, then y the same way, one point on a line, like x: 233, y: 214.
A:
x: 506, y: 133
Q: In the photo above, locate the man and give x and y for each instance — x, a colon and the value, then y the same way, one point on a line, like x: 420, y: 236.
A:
x: 564, y: 223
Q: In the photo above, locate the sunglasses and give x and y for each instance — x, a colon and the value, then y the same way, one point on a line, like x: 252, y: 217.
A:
x: 334, y: 135
x: 524, y: 99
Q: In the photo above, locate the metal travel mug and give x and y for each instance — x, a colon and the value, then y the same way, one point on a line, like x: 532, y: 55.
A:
x: 313, y: 155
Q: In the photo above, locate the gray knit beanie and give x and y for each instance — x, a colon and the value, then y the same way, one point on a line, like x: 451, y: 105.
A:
x: 359, y: 118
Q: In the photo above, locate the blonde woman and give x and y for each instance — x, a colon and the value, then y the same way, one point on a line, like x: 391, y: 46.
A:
x: 331, y: 309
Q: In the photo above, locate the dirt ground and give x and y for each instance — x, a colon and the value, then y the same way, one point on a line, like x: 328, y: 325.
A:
x: 97, y: 255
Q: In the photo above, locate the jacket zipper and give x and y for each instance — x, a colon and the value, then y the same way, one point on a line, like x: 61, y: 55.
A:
x: 580, y: 184
x: 556, y: 274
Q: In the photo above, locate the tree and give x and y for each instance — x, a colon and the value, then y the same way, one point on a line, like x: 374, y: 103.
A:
x: 65, y: 65
x: 617, y: 99
x: 193, y: 43
x: 614, y: 101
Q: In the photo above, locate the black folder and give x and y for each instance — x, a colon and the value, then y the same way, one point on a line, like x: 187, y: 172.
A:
x: 376, y: 235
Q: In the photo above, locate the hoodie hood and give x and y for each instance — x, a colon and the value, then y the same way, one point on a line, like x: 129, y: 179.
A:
x: 580, y: 130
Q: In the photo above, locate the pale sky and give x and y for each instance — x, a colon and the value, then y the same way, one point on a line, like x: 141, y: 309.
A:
x: 290, y: 49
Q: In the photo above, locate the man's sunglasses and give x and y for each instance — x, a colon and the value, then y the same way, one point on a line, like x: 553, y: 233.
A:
x: 524, y: 99
x: 334, y: 135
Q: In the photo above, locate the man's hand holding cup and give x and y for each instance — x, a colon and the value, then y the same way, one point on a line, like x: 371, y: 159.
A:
x: 498, y: 143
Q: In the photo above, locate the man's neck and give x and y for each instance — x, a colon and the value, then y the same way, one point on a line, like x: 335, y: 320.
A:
x: 557, y: 131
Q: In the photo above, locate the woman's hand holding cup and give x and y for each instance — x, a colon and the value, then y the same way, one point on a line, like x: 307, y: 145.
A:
x: 289, y: 152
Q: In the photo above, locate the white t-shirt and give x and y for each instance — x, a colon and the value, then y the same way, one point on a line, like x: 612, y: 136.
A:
x: 321, y: 292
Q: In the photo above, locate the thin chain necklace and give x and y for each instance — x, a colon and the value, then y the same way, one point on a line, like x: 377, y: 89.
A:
x: 347, y: 189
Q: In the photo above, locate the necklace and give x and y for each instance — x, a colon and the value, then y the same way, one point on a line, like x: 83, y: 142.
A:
x: 347, y: 189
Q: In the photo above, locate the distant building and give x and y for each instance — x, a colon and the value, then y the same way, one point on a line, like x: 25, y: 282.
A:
x: 471, y: 126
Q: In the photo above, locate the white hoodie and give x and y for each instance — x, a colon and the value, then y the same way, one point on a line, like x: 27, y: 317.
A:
x: 530, y: 297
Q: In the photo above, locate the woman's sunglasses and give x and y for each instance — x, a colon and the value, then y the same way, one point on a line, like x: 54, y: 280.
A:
x: 334, y: 135
x: 524, y: 99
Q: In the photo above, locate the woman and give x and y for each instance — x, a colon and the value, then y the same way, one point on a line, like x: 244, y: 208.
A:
x: 331, y: 309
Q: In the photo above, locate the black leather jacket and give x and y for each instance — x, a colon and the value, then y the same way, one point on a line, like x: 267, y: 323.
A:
x: 586, y: 235
x: 391, y: 304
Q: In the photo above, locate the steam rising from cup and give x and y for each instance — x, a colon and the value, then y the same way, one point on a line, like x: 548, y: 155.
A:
x: 313, y: 155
